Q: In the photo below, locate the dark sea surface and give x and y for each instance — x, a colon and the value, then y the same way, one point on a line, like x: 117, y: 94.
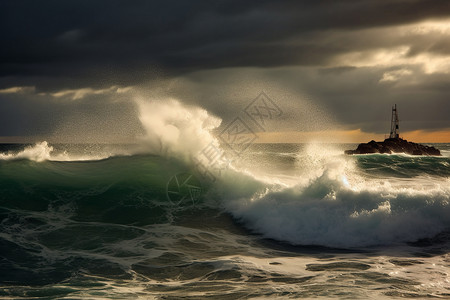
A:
x: 282, y: 221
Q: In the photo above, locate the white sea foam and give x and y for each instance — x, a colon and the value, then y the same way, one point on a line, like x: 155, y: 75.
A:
x: 39, y: 152
x: 42, y: 151
x: 333, y: 204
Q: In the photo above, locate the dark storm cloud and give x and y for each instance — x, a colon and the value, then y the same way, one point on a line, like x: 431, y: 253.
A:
x: 352, y: 58
x: 93, y: 118
x: 55, y: 44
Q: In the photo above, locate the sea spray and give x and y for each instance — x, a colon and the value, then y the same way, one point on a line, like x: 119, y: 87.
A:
x: 39, y: 152
x: 176, y: 129
x: 43, y: 151
x: 333, y: 204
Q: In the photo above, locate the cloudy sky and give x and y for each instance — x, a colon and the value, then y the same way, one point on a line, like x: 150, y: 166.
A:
x: 74, y: 69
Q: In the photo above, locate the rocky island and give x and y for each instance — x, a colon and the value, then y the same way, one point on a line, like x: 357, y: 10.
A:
x: 394, y: 144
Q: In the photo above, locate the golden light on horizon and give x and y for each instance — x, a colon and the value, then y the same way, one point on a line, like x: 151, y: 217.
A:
x: 350, y: 136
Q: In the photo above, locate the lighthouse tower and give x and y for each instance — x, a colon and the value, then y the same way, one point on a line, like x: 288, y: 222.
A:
x: 394, y: 123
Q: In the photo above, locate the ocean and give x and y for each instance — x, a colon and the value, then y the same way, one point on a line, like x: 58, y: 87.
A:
x: 278, y: 221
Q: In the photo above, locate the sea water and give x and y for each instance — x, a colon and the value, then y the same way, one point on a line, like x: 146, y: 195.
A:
x: 281, y: 221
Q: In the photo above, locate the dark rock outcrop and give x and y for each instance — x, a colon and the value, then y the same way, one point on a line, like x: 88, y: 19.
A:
x: 394, y: 145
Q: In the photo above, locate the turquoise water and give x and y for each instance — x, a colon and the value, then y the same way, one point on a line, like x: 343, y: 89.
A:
x: 283, y: 221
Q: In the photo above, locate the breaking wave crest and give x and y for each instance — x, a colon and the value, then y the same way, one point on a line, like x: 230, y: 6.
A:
x: 42, y: 151
x: 336, y: 202
x: 326, y: 198
x: 39, y: 152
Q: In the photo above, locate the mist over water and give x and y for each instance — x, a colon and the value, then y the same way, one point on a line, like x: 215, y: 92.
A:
x: 280, y: 220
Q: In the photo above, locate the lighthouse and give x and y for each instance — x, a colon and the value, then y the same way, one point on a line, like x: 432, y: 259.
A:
x: 394, y: 123
x: 394, y: 144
